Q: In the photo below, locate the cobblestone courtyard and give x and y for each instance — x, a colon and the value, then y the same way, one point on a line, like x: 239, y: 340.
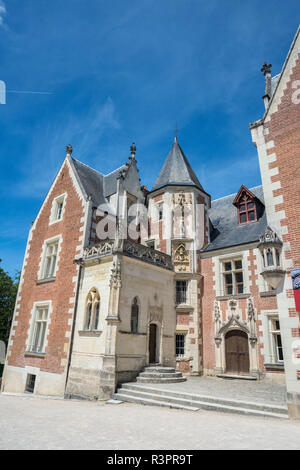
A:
x: 38, y: 423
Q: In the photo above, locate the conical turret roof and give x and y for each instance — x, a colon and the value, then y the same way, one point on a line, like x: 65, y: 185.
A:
x: 176, y: 170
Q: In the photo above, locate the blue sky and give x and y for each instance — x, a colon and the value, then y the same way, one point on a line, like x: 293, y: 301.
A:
x: 105, y: 73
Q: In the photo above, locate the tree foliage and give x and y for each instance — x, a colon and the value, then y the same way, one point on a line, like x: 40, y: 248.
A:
x: 8, y: 293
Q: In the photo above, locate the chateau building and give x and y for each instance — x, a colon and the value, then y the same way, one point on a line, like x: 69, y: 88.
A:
x: 116, y: 277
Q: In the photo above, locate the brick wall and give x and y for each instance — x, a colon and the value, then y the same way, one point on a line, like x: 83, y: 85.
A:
x: 61, y: 291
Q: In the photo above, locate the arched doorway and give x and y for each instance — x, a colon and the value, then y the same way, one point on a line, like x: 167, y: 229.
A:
x: 237, y: 352
x: 152, y: 343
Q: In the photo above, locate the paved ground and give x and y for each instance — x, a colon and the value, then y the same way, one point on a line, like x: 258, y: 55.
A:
x: 36, y: 423
x: 258, y: 391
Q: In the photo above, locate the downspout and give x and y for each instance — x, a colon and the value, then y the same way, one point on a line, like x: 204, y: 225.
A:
x: 73, y: 329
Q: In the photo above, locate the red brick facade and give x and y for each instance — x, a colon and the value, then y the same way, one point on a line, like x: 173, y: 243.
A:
x: 60, y: 290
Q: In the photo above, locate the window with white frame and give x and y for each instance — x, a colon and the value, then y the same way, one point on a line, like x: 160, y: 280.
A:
x: 180, y: 344
x: 160, y: 212
x: 50, y: 259
x: 233, y: 277
x: 276, y: 343
x: 57, y: 209
x: 39, y: 327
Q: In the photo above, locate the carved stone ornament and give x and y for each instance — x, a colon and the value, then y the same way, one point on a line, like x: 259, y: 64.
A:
x: 269, y: 237
x: 115, y: 279
x: 234, y: 322
x: 181, y: 258
x: 270, y: 247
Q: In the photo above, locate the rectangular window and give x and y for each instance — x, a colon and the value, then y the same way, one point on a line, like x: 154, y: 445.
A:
x: 180, y: 344
x: 39, y: 329
x: 160, y: 211
x: 276, y: 340
x: 57, y: 209
x: 30, y: 383
x: 49, y: 266
x: 181, y: 291
x: 233, y: 277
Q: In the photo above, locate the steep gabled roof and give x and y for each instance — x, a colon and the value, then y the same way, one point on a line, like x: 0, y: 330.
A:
x: 226, y: 231
x: 176, y: 170
x: 95, y: 184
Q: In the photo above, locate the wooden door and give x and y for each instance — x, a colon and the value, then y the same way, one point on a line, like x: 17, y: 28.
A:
x: 237, y: 352
x: 152, y: 343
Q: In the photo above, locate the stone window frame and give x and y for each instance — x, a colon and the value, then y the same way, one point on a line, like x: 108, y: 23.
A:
x: 54, y: 209
x: 31, y: 330
x: 218, y: 274
x: 270, y: 355
x: 49, y: 241
x: 186, y: 291
x: 134, y: 328
x: 273, y: 335
x: 233, y: 271
x: 184, y: 335
x: 159, y: 206
x: 92, y: 310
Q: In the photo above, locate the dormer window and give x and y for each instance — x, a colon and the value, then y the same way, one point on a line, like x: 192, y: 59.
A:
x: 245, y: 202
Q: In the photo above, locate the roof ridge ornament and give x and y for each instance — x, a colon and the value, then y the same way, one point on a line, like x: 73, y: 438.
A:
x: 266, y: 69
x: 133, y: 151
x: 69, y: 150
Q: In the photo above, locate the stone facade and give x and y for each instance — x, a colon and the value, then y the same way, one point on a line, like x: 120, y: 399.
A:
x: 177, y: 279
x: 277, y: 138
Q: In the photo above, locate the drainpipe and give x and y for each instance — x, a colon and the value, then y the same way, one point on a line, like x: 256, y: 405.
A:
x: 73, y: 327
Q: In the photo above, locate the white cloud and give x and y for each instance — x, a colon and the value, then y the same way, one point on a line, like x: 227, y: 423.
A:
x: 2, y: 12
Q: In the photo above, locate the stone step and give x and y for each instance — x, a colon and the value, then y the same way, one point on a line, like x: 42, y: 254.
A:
x: 149, y: 401
x: 236, y: 377
x: 159, y: 369
x: 160, y: 374
x: 201, y: 401
x: 160, y: 380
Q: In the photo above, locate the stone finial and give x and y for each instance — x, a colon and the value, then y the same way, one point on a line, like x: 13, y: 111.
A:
x: 266, y: 68
x: 69, y: 149
x: 269, y: 237
x: 133, y: 151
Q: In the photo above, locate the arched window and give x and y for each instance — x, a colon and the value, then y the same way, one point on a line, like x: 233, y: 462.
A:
x: 270, y: 259
x: 134, y: 315
x: 92, y: 310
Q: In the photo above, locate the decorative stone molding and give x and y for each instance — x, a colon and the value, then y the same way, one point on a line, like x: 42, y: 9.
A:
x: 115, y: 279
x: 103, y: 248
x: 147, y: 254
x: 128, y: 248
x: 270, y: 247
x: 234, y: 322
x: 181, y: 258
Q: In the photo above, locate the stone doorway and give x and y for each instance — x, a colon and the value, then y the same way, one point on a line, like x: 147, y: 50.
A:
x: 237, y: 352
x: 152, y: 343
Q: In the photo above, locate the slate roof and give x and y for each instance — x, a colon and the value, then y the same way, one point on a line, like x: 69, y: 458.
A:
x: 274, y: 82
x: 176, y: 170
x: 95, y: 184
x: 226, y: 230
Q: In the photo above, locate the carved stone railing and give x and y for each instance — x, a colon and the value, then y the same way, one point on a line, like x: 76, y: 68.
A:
x: 128, y: 248
x: 147, y: 254
x: 104, y: 248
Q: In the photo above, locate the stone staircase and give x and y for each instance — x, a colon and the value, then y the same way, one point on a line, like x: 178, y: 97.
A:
x: 144, y: 394
x: 160, y: 375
